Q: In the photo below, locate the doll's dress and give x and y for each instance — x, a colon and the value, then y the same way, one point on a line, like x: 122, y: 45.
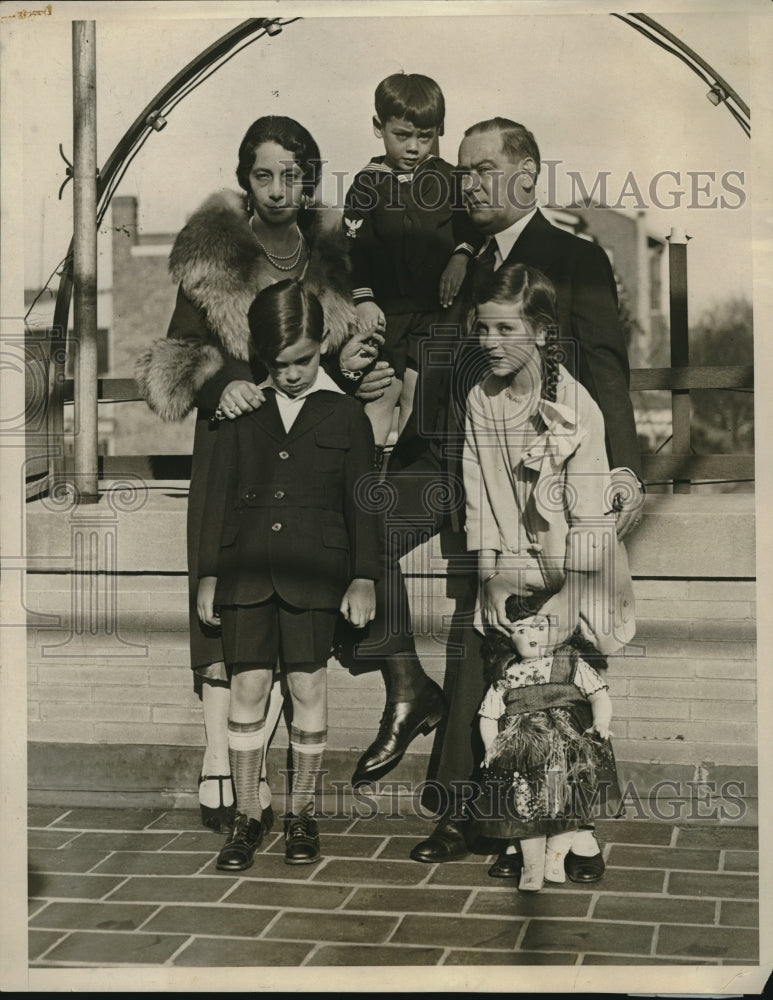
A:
x: 544, y: 773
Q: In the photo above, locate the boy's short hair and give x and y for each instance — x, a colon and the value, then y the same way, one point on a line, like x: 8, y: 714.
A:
x: 280, y: 315
x: 413, y: 98
x: 517, y: 141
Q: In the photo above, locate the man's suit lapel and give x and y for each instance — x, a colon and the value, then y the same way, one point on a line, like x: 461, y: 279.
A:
x: 531, y: 247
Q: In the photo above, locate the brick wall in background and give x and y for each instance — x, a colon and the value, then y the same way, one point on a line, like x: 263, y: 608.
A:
x: 684, y: 693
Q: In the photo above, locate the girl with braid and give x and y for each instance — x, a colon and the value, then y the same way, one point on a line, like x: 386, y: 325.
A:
x: 539, y: 511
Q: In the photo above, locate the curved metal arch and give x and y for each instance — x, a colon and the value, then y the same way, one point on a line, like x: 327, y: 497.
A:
x: 151, y: 117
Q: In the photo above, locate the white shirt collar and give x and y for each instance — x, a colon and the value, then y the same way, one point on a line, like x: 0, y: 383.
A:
x: 505, y: 240
x: 322, y: 381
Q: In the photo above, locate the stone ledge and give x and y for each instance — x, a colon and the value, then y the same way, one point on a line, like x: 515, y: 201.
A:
x: 683, y: 535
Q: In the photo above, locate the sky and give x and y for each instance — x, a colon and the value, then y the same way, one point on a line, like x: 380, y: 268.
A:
x: 597, y: 95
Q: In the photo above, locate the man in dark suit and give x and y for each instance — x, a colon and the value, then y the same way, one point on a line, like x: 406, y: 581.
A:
x: 500, y: 163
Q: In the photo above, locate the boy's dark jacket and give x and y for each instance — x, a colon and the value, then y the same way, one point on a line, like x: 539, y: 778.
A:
x: 215, y: 260
x: 287, y: 513
x: 402, y: 233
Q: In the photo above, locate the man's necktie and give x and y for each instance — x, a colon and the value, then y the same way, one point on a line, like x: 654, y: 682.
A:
x: 487, y: 260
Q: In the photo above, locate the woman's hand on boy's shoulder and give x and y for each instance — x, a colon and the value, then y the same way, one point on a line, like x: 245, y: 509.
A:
x: 240, y: 397
x: 358, y: 605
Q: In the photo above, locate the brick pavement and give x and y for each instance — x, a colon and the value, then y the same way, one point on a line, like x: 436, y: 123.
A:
x: 138, y: 887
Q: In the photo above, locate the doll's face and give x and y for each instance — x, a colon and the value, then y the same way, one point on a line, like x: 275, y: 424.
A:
x: 530, y: 636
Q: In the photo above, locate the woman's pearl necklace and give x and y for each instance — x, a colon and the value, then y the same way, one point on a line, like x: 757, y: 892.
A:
x: 274, y: 258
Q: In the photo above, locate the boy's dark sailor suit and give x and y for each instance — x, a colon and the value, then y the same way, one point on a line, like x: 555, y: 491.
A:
x: 402, y: 229
x: 285, y: 512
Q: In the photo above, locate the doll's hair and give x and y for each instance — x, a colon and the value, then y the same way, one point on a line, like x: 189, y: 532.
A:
x: 280, y: 315
x: 537, y: 296
x: 413, y: 98
x: 498, y: 653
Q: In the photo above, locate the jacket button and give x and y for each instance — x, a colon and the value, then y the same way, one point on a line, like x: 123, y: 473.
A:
x: 284, y: 454
x: 249, y: 495
x: 279, y: 495
x: 276, y: 527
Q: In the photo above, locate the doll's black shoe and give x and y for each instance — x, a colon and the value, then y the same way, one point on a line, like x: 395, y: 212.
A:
x: 239, y: 849
x: 580, y: 869
x: 221, y: 817
x: 507, y: 866
x: 301, y: 839
x: 401, y: 722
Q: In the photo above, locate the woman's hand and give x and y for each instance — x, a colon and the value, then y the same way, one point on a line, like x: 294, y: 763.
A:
x: 375, y: 382
x: 360, y: 350
x: 452, y: 277
x: 370, y: 317
x: 205, y: 599
x: 240, y: 397
x: 359, y: 602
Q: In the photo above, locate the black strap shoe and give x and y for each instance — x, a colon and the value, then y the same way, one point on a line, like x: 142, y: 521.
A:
x: 447, y: 843
x: 401, y: 722
x: 244, y: 839
x: 220, y: 817
x: 301, y: 839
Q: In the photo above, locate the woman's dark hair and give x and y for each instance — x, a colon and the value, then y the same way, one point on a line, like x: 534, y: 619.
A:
x: 279, y: 316
x: 497, y: 651
x: 290, y: 135
x: 413, y: 98
x: 538, y: 299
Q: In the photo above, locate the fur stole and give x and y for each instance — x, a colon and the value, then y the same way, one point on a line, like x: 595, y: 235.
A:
x: 216, y: 261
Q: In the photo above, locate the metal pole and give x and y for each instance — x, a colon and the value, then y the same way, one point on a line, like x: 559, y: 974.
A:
x: 680, y: 357
x: 84, y: 95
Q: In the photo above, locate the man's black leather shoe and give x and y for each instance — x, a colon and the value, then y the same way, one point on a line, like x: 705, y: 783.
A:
x: 447, y: 843
x: 581, y: 869
x: 401, y: 722
x: 243, y: 840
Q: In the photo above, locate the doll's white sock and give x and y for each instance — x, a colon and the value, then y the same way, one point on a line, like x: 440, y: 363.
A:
x: 555, y: 852
x: 533, y: 874
x: 584, y: 844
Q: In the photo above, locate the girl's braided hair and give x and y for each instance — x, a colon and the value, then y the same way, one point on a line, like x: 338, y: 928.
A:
x: 497, y: 651
x: 538, y: 302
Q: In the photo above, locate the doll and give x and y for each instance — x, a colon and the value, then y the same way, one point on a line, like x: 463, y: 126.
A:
x: 544, y: 722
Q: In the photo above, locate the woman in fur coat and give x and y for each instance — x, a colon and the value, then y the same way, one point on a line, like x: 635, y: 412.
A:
x: 234, y: 245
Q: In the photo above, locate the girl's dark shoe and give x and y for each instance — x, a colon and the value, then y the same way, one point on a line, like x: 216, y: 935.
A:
x: 243, y: 840
x: 301, y: 839
x: 221, y: 817
x: 507, y: 866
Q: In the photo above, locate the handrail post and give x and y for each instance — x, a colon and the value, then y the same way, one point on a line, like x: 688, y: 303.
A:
x: 680, y: 398
x: 85, y: 258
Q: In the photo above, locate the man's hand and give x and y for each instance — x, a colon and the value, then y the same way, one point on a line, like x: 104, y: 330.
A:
x: 375, y: 382
x: 360, y: 350
x: 627, y: 501
x: 370, y: 317
x: 240, y: 397
x: 452, y: 277
x: 358, y: 605
x: 205, y: 602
